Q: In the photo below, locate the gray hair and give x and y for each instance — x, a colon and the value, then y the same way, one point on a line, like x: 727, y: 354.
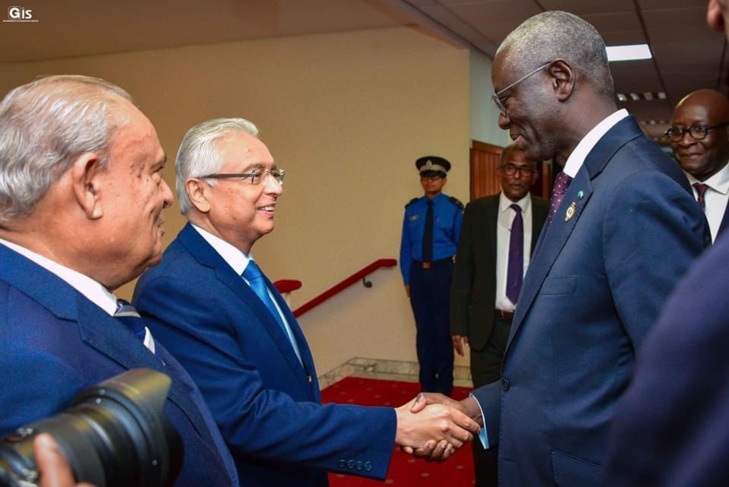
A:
x: 553, y: 35
x: 199, y: 155
x: 45, y: 126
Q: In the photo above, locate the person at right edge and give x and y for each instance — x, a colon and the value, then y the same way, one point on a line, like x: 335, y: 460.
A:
x: 699, y: 136
x: 498, y: 236
x: 622, y: 230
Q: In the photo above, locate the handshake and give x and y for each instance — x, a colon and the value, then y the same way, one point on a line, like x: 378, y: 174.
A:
x: 433, y: 426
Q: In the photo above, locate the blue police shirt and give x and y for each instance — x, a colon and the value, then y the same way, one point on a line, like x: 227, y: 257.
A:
x: 447, y: 218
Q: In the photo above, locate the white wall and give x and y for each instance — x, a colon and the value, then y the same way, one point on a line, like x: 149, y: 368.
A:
x: 346, y: 115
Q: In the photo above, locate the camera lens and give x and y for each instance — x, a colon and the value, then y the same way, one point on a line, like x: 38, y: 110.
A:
x: 114, y: 434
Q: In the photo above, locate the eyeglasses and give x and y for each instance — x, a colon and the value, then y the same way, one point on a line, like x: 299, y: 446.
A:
x: 697, y: 132
x: 511, y: 170
x: 495, y: 96
x: 254, y: 177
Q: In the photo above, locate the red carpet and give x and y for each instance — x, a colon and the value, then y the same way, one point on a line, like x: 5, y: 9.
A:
x: 404, y: 471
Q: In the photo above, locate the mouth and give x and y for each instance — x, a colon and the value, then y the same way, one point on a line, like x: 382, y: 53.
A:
x: 271, y: 209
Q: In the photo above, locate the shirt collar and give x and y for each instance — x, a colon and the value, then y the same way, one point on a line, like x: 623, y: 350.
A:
x: 588, y: 142
x: 93, y: 290
x: 719, y: 182
x: 505, y: 203
x: 230, y: 254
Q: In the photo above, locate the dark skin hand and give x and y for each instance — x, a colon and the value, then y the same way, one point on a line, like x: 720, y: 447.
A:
x: 441, y: 451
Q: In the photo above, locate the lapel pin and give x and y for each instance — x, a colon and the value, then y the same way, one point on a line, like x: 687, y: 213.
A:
x: 570, y: 212
x: 580, y: 195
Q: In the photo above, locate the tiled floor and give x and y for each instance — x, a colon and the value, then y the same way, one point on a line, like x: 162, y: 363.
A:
x: 386, y: 369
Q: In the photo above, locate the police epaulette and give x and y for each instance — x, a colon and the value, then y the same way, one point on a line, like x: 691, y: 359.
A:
x: 411, y: 202
x: 455, y: 201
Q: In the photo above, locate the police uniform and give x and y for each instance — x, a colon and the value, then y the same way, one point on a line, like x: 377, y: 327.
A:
x: 430, y: 279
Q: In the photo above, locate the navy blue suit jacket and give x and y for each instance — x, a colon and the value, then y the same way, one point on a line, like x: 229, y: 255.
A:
x: 54, y: 343
x: 266, y: 403
x: 671, y: 427
x: 626, y: 231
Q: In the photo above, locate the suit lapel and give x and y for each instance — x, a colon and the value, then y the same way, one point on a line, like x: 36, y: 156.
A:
x: 554, y: 236
x: 208, y: 257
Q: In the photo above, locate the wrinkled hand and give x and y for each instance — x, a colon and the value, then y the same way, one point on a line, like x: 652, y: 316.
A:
x: 53, y: 468
x: 460, y: 342
x: 434, y: 431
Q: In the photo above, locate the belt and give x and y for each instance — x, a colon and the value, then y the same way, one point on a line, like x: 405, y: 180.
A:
x: 505, y: 315
x: 435, y: 263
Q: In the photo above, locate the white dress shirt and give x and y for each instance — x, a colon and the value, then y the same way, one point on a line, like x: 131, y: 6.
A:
x: 503, y: 234
x: 715, y: 198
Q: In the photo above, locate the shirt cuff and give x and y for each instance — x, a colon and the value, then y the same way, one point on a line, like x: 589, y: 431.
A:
x: 483, y: 435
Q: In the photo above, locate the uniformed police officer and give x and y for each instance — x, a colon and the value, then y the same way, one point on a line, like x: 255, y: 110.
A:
x: 430, y: 233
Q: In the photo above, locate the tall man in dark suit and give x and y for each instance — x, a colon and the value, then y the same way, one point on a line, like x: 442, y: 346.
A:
x: 81, y: 200
x: 671, y: 427
x: 699, y: 137
x: 210, y: 304
x: 600, y: 272
x: 430, y: 232
x: 498, y: 236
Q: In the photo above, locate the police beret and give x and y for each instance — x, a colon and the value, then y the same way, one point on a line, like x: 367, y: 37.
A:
x: 433, y: 166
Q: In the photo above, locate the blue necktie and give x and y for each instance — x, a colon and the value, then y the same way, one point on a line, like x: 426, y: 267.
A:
x: 127, y: 314
x: 255, y: 279
x: 515, y: 271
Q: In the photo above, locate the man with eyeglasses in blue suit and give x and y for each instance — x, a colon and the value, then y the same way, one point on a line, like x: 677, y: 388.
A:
x: 210, y: 303
x: 623, y: 228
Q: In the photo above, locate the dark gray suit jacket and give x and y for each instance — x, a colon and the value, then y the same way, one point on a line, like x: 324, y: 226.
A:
x: 473, y: 290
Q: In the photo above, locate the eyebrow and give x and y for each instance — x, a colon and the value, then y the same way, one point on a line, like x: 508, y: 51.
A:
x: 258, y: 165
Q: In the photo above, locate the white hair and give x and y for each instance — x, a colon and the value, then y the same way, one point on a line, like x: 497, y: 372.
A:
x: 45, y: 126
x: 199, y: 155
x: 554, y: 35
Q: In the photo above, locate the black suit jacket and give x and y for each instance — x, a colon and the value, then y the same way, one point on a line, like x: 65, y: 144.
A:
x: 473, y: 290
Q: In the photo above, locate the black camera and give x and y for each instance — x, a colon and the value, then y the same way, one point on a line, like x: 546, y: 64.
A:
x: 113, y: 434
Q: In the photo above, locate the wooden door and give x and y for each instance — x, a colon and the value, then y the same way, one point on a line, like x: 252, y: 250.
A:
x: 484, y: 180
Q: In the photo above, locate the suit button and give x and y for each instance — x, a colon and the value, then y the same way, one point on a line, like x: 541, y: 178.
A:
x: 350, y: 464
x: 359, y: 466
x: 368, y: 466
x: 342, y: 464
x: 505, y: 384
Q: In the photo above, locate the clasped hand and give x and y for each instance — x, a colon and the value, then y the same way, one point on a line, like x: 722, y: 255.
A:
x: 433, y: 427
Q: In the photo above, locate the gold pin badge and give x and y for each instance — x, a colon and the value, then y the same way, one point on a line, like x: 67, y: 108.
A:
x: 570, y: 212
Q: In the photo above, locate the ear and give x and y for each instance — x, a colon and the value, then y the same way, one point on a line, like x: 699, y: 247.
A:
x: 197, y: 192
x: 714, y: 16
x: 86, y: 175
x: 563, y: 79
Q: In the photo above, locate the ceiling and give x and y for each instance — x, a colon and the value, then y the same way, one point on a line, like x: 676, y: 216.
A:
x: 687, y: 54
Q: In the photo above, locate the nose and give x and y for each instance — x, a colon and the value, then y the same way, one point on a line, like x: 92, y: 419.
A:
x: 504, y: 121
x: 272, y: 186
x: 167, y: 195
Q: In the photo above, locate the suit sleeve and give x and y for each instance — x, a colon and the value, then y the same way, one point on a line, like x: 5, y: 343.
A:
x: 405, y: 251
x: 462, y: 276
x: 649, y: 242
x: 258, y: 423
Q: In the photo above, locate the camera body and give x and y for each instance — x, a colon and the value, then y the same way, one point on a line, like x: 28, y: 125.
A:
x: 113, y: 434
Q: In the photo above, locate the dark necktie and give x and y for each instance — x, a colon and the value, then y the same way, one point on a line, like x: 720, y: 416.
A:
x: 127, y: 314
x: 255, y: 279
x: 515, y: 272
x: 561, y: 184
x: 428, y: 234
x: 700, y: 192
